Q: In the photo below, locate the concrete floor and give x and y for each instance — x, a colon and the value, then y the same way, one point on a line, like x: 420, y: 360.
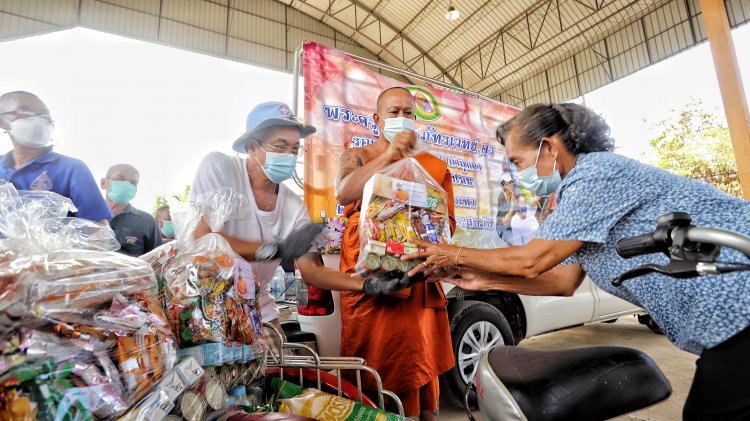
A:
x: 677, y: 365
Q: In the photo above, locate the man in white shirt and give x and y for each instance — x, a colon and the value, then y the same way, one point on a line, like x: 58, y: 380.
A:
x: 278, y: 225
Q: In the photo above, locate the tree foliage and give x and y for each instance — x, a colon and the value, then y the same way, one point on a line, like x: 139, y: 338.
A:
x: 695, y: 143
x: 161, y: 200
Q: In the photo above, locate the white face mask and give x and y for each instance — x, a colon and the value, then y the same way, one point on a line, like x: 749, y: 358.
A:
x: 396, y: 125
x: 32, y: 132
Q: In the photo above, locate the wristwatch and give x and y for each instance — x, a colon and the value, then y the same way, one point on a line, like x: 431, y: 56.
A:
x: 267, y: 251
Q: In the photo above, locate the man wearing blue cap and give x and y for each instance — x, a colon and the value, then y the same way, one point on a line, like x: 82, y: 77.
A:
x: 278, y: 226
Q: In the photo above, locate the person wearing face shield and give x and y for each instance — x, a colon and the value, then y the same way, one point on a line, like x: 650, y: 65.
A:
x: 404, y: 334
x: 603, y: 197
x: 32, y: 164
x: 136, y: 230
x: 278, y: 226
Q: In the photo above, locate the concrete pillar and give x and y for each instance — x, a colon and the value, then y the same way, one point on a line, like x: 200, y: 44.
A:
x: 730, y: 83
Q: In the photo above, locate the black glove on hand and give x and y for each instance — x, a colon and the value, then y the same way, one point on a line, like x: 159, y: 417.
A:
x: 298, y: 243
x: 376, y: 285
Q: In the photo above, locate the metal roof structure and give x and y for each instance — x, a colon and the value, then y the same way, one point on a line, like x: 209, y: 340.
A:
x: 518, y: 51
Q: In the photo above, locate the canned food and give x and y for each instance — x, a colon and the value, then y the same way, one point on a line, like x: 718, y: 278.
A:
x: 225, y: 376
x: 388, y: 263
x: 372, y: 262
x: 404, y: 266
x: 172, y: 418
x: 193, y: 406
x: 215, y: 394
x: 235, y: 371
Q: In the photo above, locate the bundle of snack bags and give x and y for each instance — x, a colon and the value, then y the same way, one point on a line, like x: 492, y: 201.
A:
x: 401, y: 203
x: 82, y: 333
x: 208, y: 291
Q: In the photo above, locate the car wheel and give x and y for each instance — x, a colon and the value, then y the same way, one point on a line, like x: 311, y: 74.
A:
x: 476, y: 327
x: 645, y: 319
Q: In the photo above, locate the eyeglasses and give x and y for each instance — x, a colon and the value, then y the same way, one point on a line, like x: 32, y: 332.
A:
x: 25, y: 114
x: 294, y: 150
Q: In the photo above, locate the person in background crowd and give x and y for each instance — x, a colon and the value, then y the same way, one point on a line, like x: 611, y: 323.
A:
x: 136, y: 230
x: 603, y: 197
x: 405, y: 335
x: 506, y: 203
x: 278, y: 226
x: 164, y: 222
x: 523, y: 223
x: 33, y: 165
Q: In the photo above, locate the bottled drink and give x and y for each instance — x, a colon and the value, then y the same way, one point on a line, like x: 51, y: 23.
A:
x: 277, y: 284
x: 290, y: 285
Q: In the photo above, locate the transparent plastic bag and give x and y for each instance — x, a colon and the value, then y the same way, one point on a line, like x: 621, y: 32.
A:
x: 210, y: 290
x: 34, y: 223
x: 82, y: 334
x: 215, y: 207
x: 222, y: 205
x: 91, y: 360
x: 401, y: 203
x: 64, y: 373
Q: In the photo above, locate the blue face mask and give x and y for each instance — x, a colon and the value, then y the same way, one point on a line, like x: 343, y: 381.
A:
x: 540, y: 185
x: 167, y: 228
x: 396, y: 125
x: 121, y: 192
x: 278, y: 166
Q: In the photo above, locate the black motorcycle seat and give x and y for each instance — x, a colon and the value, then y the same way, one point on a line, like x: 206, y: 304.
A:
x: 579, y: 384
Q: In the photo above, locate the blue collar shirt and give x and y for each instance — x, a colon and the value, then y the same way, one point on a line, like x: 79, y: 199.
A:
x: 61, y: 174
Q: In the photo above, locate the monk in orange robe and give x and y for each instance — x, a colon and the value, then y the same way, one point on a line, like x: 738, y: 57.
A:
x: 404, y: 335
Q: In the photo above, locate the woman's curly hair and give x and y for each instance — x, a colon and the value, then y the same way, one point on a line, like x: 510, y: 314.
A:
x: 581, y: 129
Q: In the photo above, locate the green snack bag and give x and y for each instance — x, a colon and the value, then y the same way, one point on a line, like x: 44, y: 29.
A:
x: 284, y: 389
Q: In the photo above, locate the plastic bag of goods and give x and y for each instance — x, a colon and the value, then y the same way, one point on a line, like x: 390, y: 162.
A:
x: 210, y: 290
x: 401, y: 203
x: 186, y: 217
x: 82, y: 334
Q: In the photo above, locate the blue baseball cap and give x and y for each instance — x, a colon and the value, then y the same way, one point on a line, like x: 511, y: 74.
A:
x: 269, y: 114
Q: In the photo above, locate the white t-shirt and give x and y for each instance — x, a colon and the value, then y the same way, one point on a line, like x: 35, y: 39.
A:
x: 219, y: 170
x: 523, y: 228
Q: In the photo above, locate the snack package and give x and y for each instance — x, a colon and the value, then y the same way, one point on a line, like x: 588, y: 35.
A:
x: 82, y: 334
x: 401, y: 203
x: 210, y: 290
x: 323, y: 406
x: 158, y: 258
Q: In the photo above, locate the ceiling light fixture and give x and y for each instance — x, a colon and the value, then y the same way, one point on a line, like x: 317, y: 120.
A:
x: 452, y: 13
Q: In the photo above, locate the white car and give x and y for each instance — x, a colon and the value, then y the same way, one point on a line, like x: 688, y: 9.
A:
x: 481, y: 320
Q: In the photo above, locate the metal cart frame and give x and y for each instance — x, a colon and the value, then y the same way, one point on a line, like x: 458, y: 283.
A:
x: 311, y: 360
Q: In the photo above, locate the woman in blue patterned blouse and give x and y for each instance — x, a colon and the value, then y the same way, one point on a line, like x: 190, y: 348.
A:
x: 603, y: 197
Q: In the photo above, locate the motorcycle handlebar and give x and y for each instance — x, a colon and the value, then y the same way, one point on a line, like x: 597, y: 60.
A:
x: 638, y: 245
x: 648, y: 243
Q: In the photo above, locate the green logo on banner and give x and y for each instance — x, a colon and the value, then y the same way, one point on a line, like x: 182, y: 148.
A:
x: 426, y: 106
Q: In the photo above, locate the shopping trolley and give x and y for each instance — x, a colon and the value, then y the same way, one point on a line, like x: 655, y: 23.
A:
x: 302, y: 363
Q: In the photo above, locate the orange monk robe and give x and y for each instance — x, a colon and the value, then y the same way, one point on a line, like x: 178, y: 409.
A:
x: 405, y: 336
